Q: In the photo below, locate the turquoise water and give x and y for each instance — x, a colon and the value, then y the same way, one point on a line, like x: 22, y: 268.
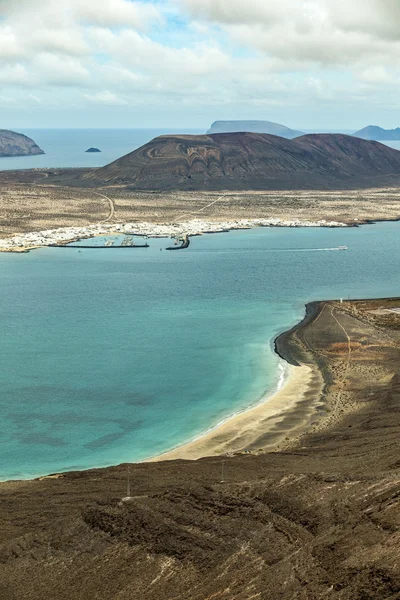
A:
x: 117, y: 355
x: 67, y: 147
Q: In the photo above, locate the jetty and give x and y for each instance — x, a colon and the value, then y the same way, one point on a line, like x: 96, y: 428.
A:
x: 87, y: 247
x: 185, y: 243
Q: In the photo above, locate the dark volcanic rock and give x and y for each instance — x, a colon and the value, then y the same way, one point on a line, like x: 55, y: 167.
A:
x: 17, y: 144
x: 252, y: 161
x: 254, y: 127
x: 93, y: 150
x: 373, y: 132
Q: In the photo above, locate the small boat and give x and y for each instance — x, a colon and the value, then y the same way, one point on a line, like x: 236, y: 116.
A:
x: 343, y: 248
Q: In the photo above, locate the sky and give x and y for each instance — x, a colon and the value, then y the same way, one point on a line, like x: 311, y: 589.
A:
x: 310, y: 64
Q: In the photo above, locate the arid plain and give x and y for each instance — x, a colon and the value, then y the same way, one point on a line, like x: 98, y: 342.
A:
x: 33, y: 207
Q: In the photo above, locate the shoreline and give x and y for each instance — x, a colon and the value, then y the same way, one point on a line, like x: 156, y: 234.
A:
x: 61, y: 236
x: 275, y: 421
x: 278, y: 420
x: 257, y: 428
x: 299, y: 407
x: 323, y: 507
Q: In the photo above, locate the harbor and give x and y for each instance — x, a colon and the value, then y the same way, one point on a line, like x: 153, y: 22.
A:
x: 63, y: 236
x: 127, y: 243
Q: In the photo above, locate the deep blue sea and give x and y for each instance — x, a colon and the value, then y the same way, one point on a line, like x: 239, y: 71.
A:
x: 67, y: 147
x: 118, y: 355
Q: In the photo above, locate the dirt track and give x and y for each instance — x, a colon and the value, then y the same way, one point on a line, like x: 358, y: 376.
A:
x: 318, y: 520
x: 28, y: 206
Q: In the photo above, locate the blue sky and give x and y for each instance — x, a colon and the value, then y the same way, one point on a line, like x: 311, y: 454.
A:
x: 312, y: 64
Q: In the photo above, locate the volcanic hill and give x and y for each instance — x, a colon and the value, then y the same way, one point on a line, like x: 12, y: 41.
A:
x: 251, y: 161
x: 373, y: 132
x: 17, y: 144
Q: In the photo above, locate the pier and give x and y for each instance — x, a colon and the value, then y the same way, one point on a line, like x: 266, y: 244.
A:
x: 185, y: 243
x: 81, y: 247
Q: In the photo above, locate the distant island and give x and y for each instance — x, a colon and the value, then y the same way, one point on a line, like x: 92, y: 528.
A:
x: 254, y: 127
x: 247, y: 161
x: 17, y: 144
x: 93, y: 150
x: 373, y: 132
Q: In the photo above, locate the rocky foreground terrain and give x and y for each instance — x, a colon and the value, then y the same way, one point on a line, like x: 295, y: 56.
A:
x: 317, y: 519
x: 17, y: 144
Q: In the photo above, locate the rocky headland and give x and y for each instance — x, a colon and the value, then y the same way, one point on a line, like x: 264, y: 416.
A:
x: 17, y: 144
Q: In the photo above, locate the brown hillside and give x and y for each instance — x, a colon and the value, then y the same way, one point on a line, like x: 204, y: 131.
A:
x: 317, y: 520
x: 252, y: 161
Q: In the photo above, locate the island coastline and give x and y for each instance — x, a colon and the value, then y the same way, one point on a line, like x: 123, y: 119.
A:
x: 256, y: 429
x: 299, y: 407
x: 187, y: 229
x: 278, y: 419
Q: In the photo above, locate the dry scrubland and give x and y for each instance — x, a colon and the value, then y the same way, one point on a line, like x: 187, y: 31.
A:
x: 29, y: 207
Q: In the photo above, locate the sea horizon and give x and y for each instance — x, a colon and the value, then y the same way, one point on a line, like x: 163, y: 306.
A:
x: 66, y: 147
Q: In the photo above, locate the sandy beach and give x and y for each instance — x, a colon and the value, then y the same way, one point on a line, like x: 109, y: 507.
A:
x: 325, y: 508
x: 285, y: 414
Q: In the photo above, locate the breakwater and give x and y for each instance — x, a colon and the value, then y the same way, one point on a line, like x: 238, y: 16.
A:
x: 87, y: 247
x: 185, y: 244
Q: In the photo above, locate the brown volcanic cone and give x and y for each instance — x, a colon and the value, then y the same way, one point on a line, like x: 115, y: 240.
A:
x: 252, y: 161
x: 351, y: 155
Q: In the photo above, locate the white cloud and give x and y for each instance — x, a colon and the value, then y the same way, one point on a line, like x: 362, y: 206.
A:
x: 319, y: 31
x: 106, y: 98
x: 199, y: 53
x: 111, y: 13
x: 59, y: 70
x: 35, y: 98
x: 68, y: 41
x: 377, y: 75
x: 7, y: 102
x: 147, y: 55
x: 15, y: 74
x: 61, y: 26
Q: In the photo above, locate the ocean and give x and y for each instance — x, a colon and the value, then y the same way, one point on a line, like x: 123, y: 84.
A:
x: 67, y: 147
x: 114, y: 356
